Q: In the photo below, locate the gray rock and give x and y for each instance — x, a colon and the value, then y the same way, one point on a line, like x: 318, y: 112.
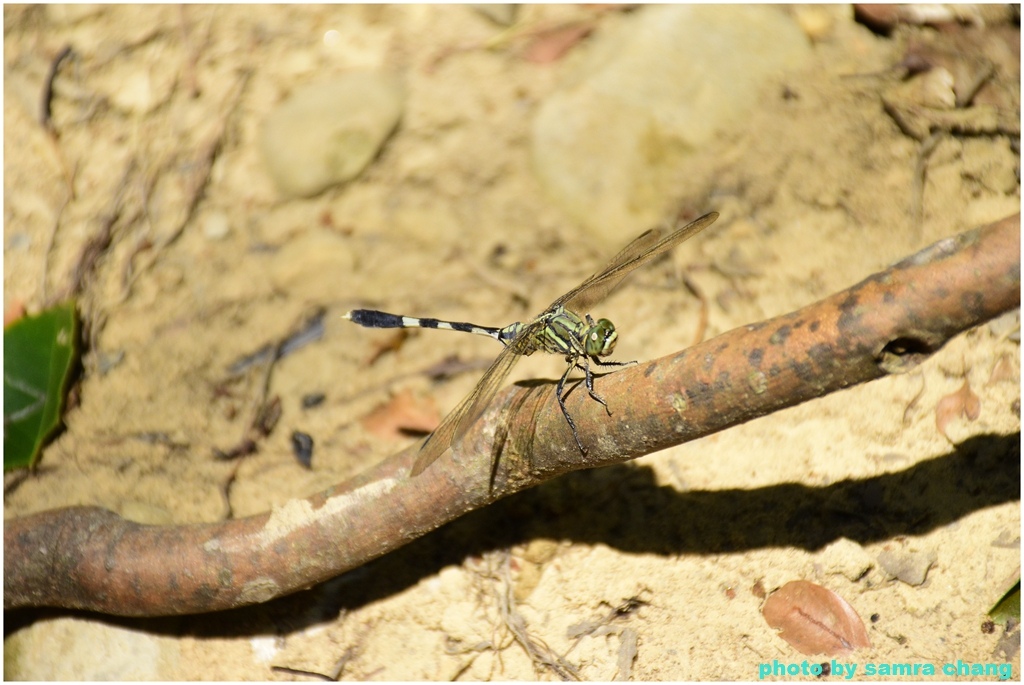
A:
x: 502, y: 14
x: 326, y: 133
x: 909, y: 566
x: 663, y: 82
x: 82, y: 648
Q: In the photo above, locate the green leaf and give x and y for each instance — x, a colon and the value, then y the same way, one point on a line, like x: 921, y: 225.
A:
x: 38, y: 354
x: 1008, y: 605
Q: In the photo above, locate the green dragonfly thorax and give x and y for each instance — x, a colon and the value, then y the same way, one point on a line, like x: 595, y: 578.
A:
x: 601, y: 338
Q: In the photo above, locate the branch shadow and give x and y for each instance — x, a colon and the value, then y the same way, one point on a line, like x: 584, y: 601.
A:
x: 623, y: 507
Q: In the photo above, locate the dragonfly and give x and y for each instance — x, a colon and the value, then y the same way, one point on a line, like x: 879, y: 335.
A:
x: 559, y: 329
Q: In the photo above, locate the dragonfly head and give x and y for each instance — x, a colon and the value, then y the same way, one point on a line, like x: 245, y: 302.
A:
x: 601, y: 338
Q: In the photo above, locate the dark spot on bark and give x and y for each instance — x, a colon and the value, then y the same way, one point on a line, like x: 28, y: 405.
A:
x: 972, y: 302
x: 848, y: 316
x: 780, y: 336
x: 203, y: 595
x: 803, y: 370
x: 755, y: 356
x: 822, y: 355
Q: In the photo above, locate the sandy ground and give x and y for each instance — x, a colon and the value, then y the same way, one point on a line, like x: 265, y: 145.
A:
x: 157, y: 132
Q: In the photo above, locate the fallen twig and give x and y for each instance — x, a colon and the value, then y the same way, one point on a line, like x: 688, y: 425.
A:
x: 45, y: 108
x: 924, y: 152
x: 91, y: 558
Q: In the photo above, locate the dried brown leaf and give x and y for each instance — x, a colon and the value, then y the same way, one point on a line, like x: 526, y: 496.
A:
x: 885, y: 18
x: 392, y: 343
x: 552, y: 44
x: 1002, y: 371
x: 267, y: 417
x: 402, y: 414
x: 882, y: 18
x: 963, y: 402
x: 15, y: 311
x: 815, y: 620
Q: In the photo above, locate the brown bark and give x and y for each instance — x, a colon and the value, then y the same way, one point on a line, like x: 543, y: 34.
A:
x: 90, y: 558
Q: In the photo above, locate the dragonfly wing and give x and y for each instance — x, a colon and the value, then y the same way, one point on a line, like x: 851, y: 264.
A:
x: 642, y: 250
x: 462, y: 418
x: 580, y: 299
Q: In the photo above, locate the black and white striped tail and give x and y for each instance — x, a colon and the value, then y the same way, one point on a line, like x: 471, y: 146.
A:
x: 373, y: 319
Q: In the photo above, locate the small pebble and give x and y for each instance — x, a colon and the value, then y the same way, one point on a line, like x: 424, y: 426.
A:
x: 327, y: 132
x: 302, y: 445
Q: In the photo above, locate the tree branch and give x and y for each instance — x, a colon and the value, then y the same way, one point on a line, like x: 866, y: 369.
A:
x: 90, y: 558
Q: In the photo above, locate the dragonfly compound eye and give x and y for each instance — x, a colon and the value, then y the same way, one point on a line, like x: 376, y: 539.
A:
x: 602, y: 338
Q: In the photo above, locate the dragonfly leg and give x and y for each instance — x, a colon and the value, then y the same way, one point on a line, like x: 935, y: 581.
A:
x: 590, y: 383
x: 610, y: 362
x: 560, y: 394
